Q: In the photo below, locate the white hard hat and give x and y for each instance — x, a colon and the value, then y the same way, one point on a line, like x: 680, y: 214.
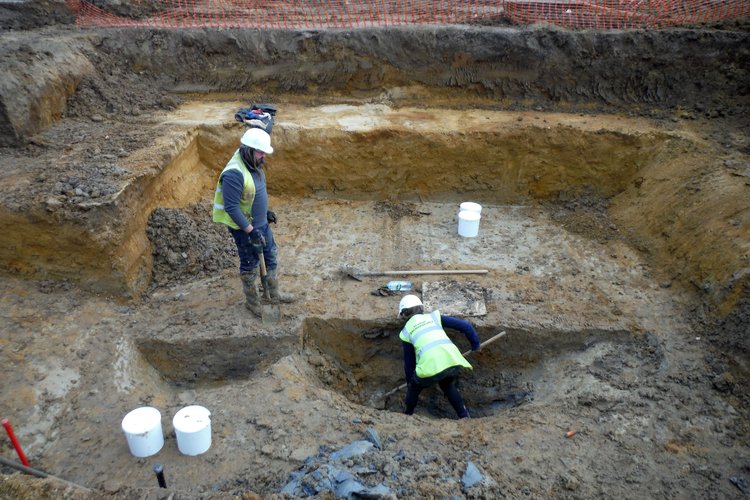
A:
x: 257, y: 139
x: 407, y: 302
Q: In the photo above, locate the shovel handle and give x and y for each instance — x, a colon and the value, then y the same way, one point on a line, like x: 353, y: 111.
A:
x: 486, y: 342
x: 263, y: 274
x: 263, y: 271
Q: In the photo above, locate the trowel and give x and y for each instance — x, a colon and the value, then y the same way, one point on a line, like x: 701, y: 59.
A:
x: 269, y: 313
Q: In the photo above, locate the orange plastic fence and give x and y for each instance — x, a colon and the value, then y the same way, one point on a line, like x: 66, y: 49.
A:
x: 316, y: 14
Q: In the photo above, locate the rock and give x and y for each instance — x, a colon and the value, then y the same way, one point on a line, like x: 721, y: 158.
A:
x: 372, y: 436
x: 301, y: 453
x: 354, y: 449
x: 340, y: 475
x: 724, y: 382
x: 53, y: 203
x: 741, y: 484
x: 379, y: 491
x: 187, y: 397
x: 471, y: 476
x: 169, y: 102
x: 569, y: 482
x: 348, y: 488
x: 293, y: 484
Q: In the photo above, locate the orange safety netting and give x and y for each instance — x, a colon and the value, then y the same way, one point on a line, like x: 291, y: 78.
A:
x: 315, y: 14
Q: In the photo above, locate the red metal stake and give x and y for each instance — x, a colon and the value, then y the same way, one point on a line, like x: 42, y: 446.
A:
x: 14, y: 440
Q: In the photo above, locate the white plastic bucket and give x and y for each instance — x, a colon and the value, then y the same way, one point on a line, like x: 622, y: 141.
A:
x: 142, y: 428
x: 468, y: 223
x: 192, y: 426
x: 470, y: 206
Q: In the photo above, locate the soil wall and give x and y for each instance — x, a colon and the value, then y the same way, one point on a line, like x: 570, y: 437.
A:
x: 122, y: 76
x: 701, y: 71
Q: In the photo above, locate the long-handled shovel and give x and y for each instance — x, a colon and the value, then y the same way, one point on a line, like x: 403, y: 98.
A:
x: 403, y: 386
x: 269, y: 313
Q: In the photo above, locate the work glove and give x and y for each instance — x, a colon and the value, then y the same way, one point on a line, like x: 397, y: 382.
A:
x: 271, y: 217
x: 257, y: 240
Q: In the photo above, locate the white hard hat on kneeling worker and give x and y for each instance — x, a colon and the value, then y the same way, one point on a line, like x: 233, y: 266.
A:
x: 407, y: 302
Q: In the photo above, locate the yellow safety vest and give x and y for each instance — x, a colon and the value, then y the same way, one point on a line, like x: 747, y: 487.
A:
x: 246, y: 200
x: 435, y: 351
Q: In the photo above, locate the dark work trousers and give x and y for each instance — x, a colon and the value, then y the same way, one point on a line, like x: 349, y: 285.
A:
x: 249, y: 259
x: 447, y: 381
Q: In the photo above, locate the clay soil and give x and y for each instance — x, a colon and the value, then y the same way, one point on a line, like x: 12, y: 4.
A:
x: 615, y: 231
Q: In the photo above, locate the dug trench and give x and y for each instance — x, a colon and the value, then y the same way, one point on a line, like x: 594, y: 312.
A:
x: 607, y: 237
x: 360, y: 361
x: 596, y: 342
x: 493, y: 176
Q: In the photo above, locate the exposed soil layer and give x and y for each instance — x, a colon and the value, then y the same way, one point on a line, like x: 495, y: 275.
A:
x: 614, y: 177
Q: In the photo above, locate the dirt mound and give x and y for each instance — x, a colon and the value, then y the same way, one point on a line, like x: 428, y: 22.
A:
x: 188, y: 245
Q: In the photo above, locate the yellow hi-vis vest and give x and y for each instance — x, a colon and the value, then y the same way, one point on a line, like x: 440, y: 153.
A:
x: 435, y: 351
x: 246, y: 200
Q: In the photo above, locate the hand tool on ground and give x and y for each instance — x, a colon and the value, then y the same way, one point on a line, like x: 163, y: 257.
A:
x: 403, y: 386
x: 359, y: 274
x: 269, y: 313
x: 14, y: 440
x: 38, y: 473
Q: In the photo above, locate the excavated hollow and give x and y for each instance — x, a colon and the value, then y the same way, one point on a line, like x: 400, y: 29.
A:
x: 357, y: 152
x: 363, y: 361
x: 211, y: 361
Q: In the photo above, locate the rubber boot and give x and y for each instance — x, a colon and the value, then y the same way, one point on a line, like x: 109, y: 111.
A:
x: 273, y: 286
x: 250, y: 288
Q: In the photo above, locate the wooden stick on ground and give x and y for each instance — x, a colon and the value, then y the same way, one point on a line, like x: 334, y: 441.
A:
x: 358, y: 275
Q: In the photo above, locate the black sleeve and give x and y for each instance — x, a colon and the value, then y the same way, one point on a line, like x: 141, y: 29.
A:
x: 464, y: 327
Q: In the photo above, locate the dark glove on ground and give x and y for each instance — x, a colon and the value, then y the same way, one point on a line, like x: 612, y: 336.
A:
x: 271, y: 217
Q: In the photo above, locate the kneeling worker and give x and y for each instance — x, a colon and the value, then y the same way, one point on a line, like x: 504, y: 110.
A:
x: 430, y: 357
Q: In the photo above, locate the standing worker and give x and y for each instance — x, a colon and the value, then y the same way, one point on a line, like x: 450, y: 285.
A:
x: 241, y: 202
x: 429, y: 355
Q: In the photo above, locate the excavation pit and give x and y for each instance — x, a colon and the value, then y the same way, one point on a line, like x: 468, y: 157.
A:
x: 611, y: 171
x: 359, y: 152
x: 363, y: 361
x: 211, y: 361
x: 349, y: 153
